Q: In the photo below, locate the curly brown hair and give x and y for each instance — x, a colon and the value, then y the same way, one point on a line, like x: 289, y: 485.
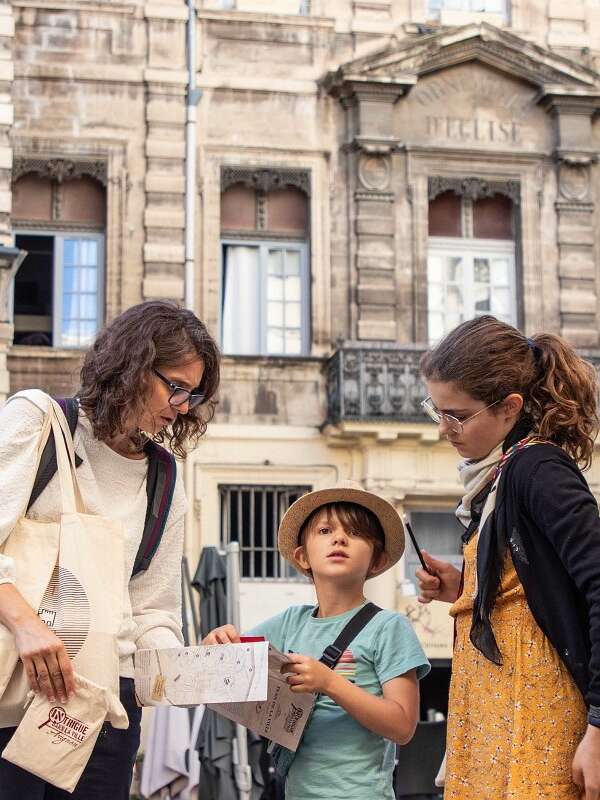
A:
x: 489, y: 359
x: 117, y: 371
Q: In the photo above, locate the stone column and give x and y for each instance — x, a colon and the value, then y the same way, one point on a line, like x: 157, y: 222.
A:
x: 166, y: 80
x: 579, y: 291
x: 370, y: 124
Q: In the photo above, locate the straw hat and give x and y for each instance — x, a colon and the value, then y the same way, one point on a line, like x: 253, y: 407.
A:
x: 343, y: 492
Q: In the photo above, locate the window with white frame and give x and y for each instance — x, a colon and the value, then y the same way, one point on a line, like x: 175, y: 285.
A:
x: 58, y: 291
x: 468, y: 6
x: 471, y: 261
x: 265, y: 285
x: 59, y: 219
x: 438, y: 532
x: 301, y: 7
x: 265, y: 298
x: 250, y: 515
x: 467, y: 279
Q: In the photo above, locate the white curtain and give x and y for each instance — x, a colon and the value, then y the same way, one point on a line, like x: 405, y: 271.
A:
x: 241, y: 300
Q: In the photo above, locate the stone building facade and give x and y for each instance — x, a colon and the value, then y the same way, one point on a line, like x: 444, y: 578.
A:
x: 369, y: 172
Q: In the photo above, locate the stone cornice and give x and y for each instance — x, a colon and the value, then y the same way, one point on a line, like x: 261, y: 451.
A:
x: 502, y: 50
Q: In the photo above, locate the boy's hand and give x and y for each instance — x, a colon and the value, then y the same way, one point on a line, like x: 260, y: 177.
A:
x: 226, y: 634
x: 307, y: 675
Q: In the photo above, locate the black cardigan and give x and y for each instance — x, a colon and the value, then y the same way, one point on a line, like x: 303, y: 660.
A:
x: 547, y: 515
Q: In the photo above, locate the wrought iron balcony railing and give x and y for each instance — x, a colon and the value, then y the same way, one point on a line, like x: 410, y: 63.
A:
x: 382, y: 382
x: 379, y: 382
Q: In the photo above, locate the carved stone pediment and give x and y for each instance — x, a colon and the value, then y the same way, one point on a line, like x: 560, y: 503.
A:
x: 403, y: 61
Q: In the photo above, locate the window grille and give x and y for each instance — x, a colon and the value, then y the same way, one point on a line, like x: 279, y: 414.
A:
x: 250, y: 515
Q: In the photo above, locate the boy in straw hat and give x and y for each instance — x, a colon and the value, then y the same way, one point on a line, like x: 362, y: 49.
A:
x: 341, y: 537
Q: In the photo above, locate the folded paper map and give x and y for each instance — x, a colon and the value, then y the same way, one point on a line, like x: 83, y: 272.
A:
x: 282, y: 717
x: 243, y: 682
x: 192, y: 676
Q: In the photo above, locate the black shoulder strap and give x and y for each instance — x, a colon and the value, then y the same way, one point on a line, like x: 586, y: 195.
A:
x: 333, y: 653
x: 48, y: 464
x: 160, y: 485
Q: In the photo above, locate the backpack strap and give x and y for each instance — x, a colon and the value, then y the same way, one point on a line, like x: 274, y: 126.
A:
x: 333, y: 652
x: 160, y: 485
x: 48, y: 464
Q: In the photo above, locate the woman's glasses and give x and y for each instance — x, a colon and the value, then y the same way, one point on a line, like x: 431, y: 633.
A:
x: 454, y: 424
x: 180, y: 396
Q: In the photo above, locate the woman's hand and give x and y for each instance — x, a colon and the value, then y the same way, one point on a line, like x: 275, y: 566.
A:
x: 47, y: 665
x: 226, y: 634
x: 443, y: 585
x: 586, y: 764
x: 307, y: 675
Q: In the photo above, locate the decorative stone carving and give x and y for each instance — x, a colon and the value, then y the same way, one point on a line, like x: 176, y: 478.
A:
x: 474, y: 188
x: 574, y: 182
x: 374, y: 172
x: 60, y: 169
x: 265, y: 180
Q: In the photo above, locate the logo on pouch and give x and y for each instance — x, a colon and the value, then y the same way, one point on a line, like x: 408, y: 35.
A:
x: 293, y: 716
x: 66, y: 729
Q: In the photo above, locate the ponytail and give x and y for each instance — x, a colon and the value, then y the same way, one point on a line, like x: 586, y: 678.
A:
x: 489, y: 360
x: 563, y: 398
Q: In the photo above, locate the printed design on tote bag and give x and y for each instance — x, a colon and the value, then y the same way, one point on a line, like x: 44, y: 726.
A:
x: 66, y: 609
x: 346, y: 666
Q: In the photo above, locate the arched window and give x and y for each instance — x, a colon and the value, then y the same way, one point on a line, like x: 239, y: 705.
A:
x: 471, y: 254
x: 265, y: 269
x: 58, y: 291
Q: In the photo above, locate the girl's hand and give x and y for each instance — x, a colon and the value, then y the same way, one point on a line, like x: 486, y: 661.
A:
x: 226, y: 634
x: 586, y: 765
x: 442, y: 585
x: 307, y: 675
x: 48, y: 667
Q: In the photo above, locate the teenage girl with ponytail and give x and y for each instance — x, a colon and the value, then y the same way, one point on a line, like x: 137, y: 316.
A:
x: 524, y: 710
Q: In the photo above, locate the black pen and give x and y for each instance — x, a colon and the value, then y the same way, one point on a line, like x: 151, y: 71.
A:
x: 417, y: 548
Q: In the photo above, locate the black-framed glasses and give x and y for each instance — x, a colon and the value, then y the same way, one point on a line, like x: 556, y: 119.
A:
x: 455, y: 425
x: 180, y: 396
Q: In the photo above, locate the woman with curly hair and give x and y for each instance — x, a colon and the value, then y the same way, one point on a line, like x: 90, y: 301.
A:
x: 524, y: 707
x: 150, y: 377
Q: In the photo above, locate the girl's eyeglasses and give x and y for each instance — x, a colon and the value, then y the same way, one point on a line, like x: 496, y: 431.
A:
x: 180, y: 396
x: 455, y: 425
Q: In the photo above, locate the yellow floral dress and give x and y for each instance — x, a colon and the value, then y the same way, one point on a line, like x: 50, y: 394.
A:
x: 512, y: 729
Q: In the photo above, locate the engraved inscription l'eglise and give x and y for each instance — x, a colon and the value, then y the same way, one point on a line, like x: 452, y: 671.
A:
x: 474, y: 130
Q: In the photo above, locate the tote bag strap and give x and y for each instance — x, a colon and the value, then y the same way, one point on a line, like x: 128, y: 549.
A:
x: 71, y: 498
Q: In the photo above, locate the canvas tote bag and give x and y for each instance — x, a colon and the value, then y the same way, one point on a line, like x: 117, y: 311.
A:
x: 72, y: 572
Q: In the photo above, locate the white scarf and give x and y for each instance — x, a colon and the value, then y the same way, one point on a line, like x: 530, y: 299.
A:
x: 475, y: 474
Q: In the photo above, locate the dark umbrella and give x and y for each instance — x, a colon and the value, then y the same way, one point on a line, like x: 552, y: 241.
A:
x: 216, y: 735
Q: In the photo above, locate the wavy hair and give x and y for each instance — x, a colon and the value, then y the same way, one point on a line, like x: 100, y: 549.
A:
x: 489, y: 359
x: 117, y: 371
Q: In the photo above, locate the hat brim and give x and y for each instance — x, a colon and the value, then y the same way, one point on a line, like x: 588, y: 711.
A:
x: 298, y: 513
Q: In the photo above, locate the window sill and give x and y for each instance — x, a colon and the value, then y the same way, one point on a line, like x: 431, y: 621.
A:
x: 32, y: 351
x: 272, y: 359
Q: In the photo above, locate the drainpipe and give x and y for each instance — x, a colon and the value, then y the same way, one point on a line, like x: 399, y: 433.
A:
x: 193, y: 96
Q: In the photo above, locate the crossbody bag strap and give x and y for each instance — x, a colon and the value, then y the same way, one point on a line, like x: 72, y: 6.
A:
x: 160, y: 485
x: 333, y: 652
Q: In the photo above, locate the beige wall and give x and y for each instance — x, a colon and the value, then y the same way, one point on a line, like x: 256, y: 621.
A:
x: 372, y: 99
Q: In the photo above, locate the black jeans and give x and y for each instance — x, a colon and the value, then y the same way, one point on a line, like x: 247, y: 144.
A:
x: 107, y: 774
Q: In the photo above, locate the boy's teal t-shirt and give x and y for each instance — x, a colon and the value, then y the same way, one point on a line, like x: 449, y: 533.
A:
x: 338, y: 758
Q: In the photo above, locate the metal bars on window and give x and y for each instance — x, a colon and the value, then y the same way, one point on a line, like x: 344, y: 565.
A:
x: 250, y: 515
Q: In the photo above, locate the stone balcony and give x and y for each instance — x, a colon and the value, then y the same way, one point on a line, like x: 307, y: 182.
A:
x: 381, y: 382
x: 377, y: 382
